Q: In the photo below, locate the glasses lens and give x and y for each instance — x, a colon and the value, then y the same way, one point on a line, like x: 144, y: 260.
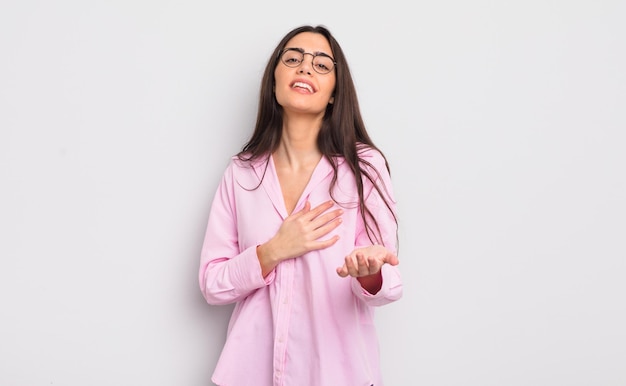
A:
x: 292, y: 58
x: 323, y: 64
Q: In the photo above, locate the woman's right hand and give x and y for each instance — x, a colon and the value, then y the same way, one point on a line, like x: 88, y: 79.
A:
x: 300, y: 233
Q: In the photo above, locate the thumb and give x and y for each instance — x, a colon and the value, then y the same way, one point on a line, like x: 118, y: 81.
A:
x: 391, y: 259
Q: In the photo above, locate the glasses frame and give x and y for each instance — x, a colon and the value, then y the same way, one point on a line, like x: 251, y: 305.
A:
x: 313, y: 56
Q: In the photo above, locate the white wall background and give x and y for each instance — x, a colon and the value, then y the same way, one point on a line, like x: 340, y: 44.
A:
x: 504, y: 123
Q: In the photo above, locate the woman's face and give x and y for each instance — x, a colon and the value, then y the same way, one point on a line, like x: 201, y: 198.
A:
x: 301, y: 89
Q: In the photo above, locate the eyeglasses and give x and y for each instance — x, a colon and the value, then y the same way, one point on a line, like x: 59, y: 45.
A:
x: 293, y: 57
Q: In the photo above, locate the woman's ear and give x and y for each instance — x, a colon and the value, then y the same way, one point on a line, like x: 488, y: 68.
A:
x: 331, y: 100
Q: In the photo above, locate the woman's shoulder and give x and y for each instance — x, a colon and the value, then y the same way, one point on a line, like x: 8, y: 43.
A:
x: 245, y: 170
x: 246, y: 162
x: 371, y: 155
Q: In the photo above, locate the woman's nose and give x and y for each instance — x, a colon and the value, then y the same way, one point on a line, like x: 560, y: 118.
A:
x: 303, y: 70
x: 305, y: 66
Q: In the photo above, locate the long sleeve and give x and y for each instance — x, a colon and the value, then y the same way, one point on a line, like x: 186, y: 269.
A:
x: 227, y: 274
x: 391, y: 289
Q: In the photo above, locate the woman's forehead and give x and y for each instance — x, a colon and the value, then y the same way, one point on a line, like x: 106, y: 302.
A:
x: 310, y: 42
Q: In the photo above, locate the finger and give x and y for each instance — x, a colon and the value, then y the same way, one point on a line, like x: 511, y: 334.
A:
x: 391, y: 259
x: 321, y: 208
x: 342, y: 271
x: 326, y: 228
x: 363, y: 266
x: 351, y: 266
x: 326, y: 217
x: 306, y: 209
x: 321, y: 244
x: 374, y: 265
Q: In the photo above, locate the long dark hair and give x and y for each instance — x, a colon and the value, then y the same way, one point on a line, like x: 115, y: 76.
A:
x: 342, y: 134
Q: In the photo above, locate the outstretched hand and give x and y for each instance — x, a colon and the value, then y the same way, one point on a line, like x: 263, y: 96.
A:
x: 366, y: 261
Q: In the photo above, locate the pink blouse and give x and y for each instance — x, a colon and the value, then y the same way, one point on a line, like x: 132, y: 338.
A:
x: 302, y: 324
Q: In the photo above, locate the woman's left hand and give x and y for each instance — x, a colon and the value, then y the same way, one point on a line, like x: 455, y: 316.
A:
x: 366, y: 261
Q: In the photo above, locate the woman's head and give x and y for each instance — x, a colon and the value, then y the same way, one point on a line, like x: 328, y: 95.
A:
x: 342, y: 124
x: 304, y: 78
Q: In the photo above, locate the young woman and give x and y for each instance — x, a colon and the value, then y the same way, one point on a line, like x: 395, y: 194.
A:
x: 302, y: 233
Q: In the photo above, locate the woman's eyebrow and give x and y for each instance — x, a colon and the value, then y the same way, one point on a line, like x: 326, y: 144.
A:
x: 303, y: 51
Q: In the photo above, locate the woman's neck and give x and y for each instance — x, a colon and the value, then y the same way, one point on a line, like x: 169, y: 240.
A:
x: 298, y: 145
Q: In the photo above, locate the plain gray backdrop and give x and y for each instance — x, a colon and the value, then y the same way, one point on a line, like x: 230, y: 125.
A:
x: 504, y: 124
